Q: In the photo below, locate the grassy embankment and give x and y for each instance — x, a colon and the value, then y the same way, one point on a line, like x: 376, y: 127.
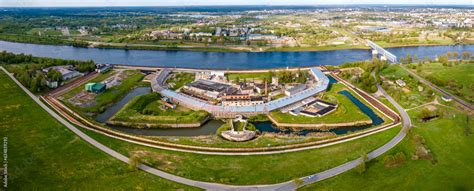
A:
x: 455, y: 78
x: 262, y: 169
x: 147, y: 109
x: 314, y: 48
x: 447, y: 167
x: 34, y: 39
x: 44, y: 154
x: 109, y: 96
x: 180, y: 79
x: 345, y: 112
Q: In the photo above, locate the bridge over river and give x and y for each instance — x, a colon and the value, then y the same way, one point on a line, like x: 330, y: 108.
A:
x: 386, y: 55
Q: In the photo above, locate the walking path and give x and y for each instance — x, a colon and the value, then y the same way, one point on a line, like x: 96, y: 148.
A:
x: 290, y: 185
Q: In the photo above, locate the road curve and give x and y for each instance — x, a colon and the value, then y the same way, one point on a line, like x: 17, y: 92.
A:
x: 354, y: 163
x: 289, y: 185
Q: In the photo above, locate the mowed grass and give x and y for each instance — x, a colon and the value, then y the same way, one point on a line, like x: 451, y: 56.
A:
x: 44, y: 155
x: 180, y: 79
x: 345, y: 112
x: 248, y: 76
x: 148, y: 109
x: 461, y: 74
x: 262, y: 169
x: 451, y: 148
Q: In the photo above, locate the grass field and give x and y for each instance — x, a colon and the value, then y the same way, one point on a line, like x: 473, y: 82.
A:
x: 44, y: 155
x: 455, y: 78
x: 147, y: 109
x: 109, y: 96
x: 263, y: 169
x: 180, y: 79
x: 444, y: 137
x: 345, y: 112
x: 249, y: 76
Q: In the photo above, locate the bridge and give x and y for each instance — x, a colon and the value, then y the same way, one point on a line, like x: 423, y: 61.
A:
x: 386, y: 55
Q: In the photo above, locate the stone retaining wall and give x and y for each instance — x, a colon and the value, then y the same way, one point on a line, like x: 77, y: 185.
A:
x: 321, y: 126
x: 164, y: 125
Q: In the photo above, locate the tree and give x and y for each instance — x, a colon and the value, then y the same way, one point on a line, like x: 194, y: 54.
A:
x: 362, y: 166
x: 443, y: 59
x: 449, y: 54
x: 466, y: 55
x: 409, y: 59
x: 455, y: 55
x: 237, y: 79
x: 133, y: 162
x: 54, y: 75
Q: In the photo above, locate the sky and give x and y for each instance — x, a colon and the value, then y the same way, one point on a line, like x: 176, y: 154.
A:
x: 67, y: 3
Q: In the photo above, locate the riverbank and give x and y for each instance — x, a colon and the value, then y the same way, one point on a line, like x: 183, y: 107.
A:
x: 211, y: 48
x: 218, y: 60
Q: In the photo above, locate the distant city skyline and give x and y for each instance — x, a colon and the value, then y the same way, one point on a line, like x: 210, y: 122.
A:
x: 77, y: 3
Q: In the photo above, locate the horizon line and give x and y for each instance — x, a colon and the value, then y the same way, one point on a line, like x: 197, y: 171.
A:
x: 236, y: 5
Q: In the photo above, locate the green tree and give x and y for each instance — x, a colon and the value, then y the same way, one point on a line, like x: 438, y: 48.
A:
x: 466, y: 55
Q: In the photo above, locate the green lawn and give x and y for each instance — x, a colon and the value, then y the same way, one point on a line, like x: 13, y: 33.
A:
x: 148, y: 109
x: 180, y: 79
x: 345, y: 112
x: 249, y: 76
x: 458, y: 78
x: 264, y: 169
x: 109, y: 96
x: 452, y: 151
x: 44, y: 155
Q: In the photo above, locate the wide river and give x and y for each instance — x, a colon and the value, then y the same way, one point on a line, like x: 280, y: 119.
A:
x: 219, y: 60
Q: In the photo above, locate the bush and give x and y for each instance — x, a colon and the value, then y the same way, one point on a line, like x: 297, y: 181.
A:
x: 391, y: 161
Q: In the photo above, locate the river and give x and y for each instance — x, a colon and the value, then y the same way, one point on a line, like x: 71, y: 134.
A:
x: 219, y: 60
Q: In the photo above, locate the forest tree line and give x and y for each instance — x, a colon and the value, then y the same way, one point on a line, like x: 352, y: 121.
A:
x: 27, y: 69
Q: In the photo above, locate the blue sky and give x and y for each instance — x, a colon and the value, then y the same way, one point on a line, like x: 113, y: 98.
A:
x: 28, y: 3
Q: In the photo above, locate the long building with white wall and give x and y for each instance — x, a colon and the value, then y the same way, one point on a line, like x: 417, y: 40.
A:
x: 320, y: 85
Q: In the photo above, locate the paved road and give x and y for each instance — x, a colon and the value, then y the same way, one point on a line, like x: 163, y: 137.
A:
x: 290, y: 185
x: 352, y: 164
x: 436, y: 88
